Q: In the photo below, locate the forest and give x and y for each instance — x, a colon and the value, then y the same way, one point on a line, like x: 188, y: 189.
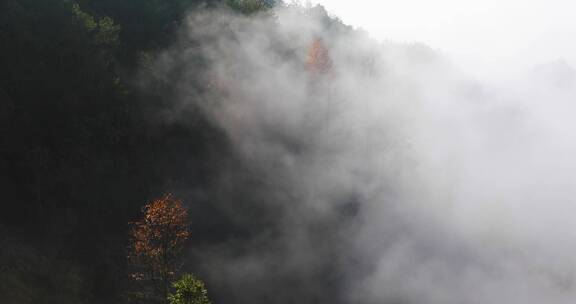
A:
x: 94, y: 138
x: 82, y: 148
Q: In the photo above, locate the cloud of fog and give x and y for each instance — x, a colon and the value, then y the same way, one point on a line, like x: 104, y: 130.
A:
x: 392, y: 178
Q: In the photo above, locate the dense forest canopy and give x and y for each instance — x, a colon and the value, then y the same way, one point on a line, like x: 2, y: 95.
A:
x: 81, y: 146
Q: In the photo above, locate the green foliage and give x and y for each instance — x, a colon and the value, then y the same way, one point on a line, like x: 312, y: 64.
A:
x: 250, y: 6
x: 189, y: 290
x: 88, y: 21
x: 147, y: 25
x: 102, y: 35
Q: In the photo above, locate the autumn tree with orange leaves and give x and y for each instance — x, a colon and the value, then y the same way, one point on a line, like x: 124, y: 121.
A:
x: 318, y: 61
x: 156, y: 242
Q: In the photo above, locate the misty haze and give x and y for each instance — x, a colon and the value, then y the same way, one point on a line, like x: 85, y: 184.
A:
x: 260, y: 151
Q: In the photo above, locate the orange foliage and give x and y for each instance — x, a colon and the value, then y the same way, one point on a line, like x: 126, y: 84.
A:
x: 318, y: 61
x: 157, y: 240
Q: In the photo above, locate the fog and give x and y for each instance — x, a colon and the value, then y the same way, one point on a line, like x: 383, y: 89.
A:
x: 491, y: 38
x: 393, y: 176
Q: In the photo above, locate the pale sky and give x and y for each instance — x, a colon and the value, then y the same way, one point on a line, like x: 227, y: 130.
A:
x: 475, y: 33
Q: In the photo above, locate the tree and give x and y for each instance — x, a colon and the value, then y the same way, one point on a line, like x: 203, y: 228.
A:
x: 318, y: 61
x: 248, y: 7
x: 156, y: 243
x: 189, y: 290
